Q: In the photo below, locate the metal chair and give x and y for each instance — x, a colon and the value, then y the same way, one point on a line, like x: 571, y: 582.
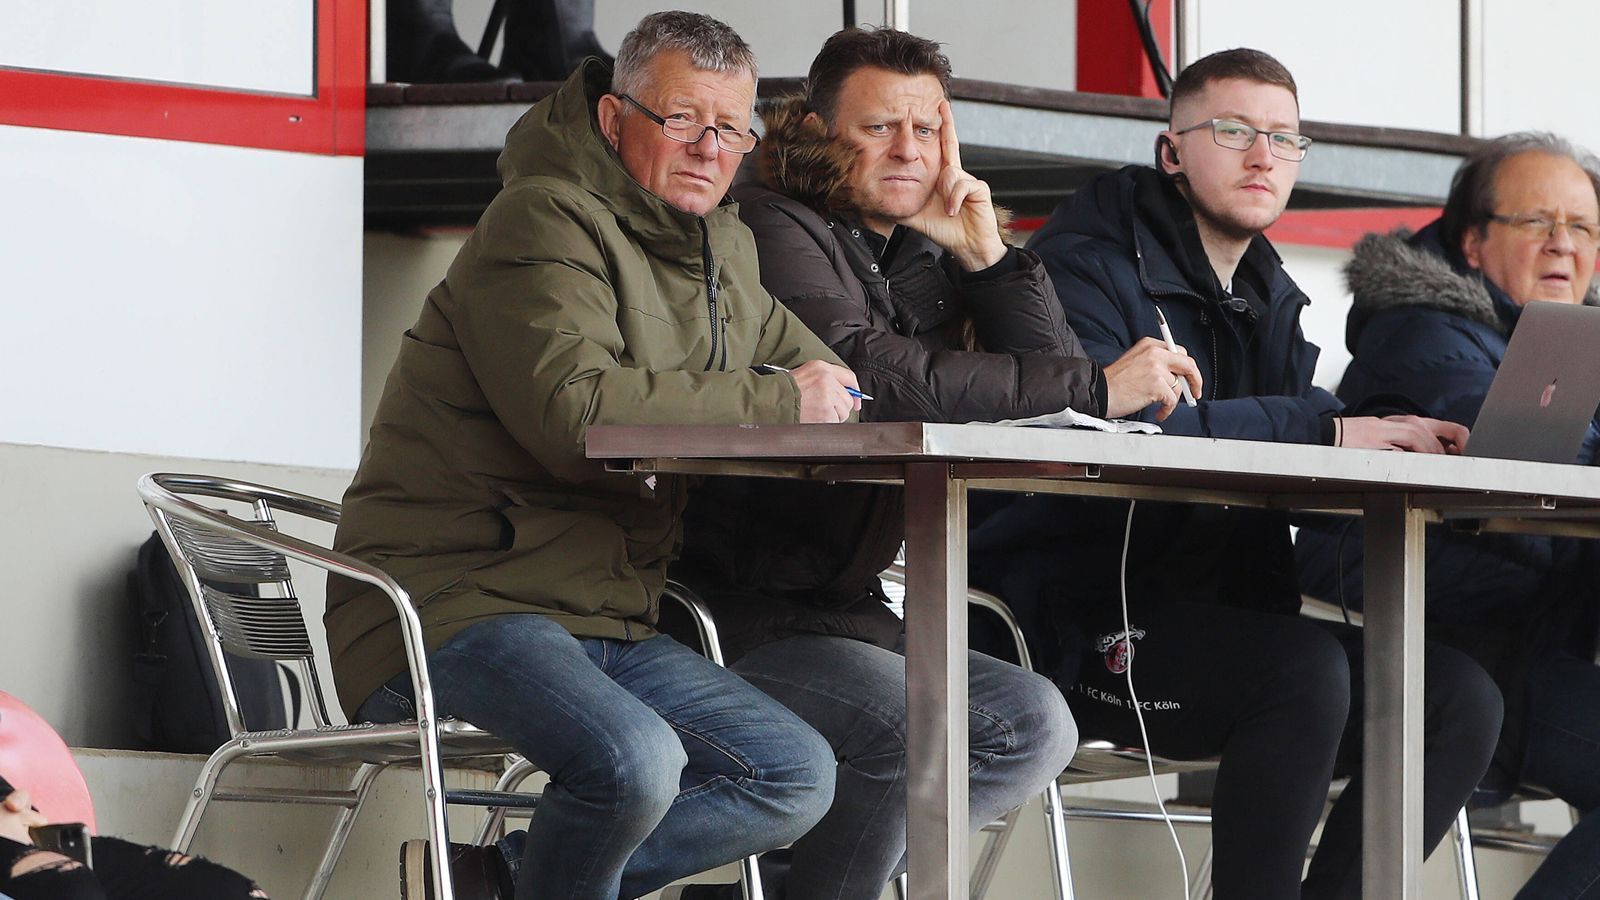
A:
x: 225, y: 561
x: 1463, y: 837
x: 1095, y: 760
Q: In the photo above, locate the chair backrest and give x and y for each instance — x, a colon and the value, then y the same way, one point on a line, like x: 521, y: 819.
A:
x: 33, y: 758
x: 235, y: 569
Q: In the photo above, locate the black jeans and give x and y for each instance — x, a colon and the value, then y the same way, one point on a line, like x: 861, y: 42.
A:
x: 1562, y: 755
x: 122, y: 871
x: 1278, y: 698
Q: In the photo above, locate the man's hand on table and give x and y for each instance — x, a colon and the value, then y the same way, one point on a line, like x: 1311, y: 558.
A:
x: 1414, y: 434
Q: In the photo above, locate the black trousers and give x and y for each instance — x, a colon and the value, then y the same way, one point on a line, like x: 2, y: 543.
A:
x: 1279, y: 699
x: 122, y: 871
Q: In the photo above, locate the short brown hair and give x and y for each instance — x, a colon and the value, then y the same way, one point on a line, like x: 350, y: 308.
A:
x: 1241, y: 62
x: 858, y: 48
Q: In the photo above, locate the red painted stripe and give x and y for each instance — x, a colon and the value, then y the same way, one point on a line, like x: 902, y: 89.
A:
x: 1337, y: 228
x: 1341, y: 228
x: 1110, y: 55
x: 330, y: 122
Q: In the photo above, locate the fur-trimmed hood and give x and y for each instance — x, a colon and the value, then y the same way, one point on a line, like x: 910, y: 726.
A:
x: 798, y: 160
x: 1402, y: 269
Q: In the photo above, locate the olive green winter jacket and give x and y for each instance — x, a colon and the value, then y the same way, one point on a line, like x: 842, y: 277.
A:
x: 580, y: 299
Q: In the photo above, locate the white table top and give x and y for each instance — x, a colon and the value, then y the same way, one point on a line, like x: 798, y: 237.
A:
x: 1272, y: 474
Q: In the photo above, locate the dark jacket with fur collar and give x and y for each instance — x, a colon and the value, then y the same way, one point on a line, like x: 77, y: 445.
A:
x: 777, y: 558
x: 1425, y: 326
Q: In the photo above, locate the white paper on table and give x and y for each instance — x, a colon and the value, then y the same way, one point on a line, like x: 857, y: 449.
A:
x: 1071, y: 418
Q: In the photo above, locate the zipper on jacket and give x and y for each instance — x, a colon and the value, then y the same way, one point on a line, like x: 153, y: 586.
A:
x: 711, y: 298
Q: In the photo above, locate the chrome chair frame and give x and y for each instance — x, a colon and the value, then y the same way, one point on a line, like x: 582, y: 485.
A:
x: 210, y: 547
x: 216, y: 550
x: 1095, y: 760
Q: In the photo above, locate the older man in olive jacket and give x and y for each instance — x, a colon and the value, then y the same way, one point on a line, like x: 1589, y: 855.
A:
x: 606, y: 283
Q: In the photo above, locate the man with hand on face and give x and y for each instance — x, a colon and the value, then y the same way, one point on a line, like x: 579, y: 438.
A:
x: 607, y: 283
x: 871, y: 232
x: 1224, y: 665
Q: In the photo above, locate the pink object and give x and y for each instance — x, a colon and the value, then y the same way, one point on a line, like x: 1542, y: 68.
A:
x: 35, y: 759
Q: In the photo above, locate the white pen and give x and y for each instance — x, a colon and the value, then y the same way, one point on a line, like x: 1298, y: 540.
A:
x: 847, y: 388
x: 1166, y: 335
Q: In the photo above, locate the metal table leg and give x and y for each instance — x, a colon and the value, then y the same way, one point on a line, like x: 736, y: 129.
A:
x: 1392, y: 801
x: 936, y: 682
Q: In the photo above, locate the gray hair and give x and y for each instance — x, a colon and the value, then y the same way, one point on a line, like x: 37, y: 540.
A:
x: 709, y: 44
x: 1472, y: 201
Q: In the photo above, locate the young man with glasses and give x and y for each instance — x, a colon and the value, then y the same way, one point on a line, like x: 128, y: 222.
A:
x: 607, y: 283
x: 1432, y: 315
x: 1224, y: 666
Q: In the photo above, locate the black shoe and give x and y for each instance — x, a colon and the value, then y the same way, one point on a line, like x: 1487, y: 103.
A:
x: 479, y: 873
x: 425, y: 48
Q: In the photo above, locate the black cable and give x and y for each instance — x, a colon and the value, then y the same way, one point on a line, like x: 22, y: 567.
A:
x: 1152, y: 49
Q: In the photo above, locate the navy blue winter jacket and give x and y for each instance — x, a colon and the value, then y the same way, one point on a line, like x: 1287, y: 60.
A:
x: 1126, y: 242
x: 1424, y: 325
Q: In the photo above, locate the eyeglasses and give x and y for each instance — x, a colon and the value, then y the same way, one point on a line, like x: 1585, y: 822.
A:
x: 1239, y: 136
x: 1584, y: 234
x: 687, y: 131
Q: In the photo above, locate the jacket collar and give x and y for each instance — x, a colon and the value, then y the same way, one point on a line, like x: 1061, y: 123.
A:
x: 1166, y: 240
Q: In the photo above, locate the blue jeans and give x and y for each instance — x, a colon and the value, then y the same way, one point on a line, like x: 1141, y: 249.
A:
x: 1019, y: 731
x: 1562, y: 755
x: 661, y: 763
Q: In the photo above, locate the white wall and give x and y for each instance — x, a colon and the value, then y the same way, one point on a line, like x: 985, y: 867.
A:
x: 258, y: 45
x: 70, y: 523
x: 1539, y: 67
x: 1319, y: 272
x: 1363, y: 62
x: 180, y: 299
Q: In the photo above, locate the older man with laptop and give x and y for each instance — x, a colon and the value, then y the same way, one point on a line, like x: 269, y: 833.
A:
x: 1439, y: 316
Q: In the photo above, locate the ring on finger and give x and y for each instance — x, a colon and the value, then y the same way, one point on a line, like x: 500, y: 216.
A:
x: 1174, y: 384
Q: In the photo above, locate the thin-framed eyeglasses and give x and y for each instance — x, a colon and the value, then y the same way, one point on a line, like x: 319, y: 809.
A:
x: 1583, y: 234
x: 1239, y: 136
x: 687, y: 131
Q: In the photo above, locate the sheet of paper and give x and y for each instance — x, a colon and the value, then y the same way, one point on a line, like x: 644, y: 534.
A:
x: 1071, y: 418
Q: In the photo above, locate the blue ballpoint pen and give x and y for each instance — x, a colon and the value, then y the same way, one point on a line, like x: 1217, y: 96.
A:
x: 848, y: 389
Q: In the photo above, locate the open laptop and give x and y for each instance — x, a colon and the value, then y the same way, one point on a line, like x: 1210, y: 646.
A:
x: 1546, y: 389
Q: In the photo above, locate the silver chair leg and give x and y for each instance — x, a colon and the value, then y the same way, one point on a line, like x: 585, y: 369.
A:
x: 433, y: 794
x: 360, y: 786
x: 495, y: 816
x: 200, y: 797
x: 999, y: 834
x: 1200, y: 888
x: 1466, y: 865
x: 900, y: 887
x: 750, y: 879
x: 1055, y: 825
